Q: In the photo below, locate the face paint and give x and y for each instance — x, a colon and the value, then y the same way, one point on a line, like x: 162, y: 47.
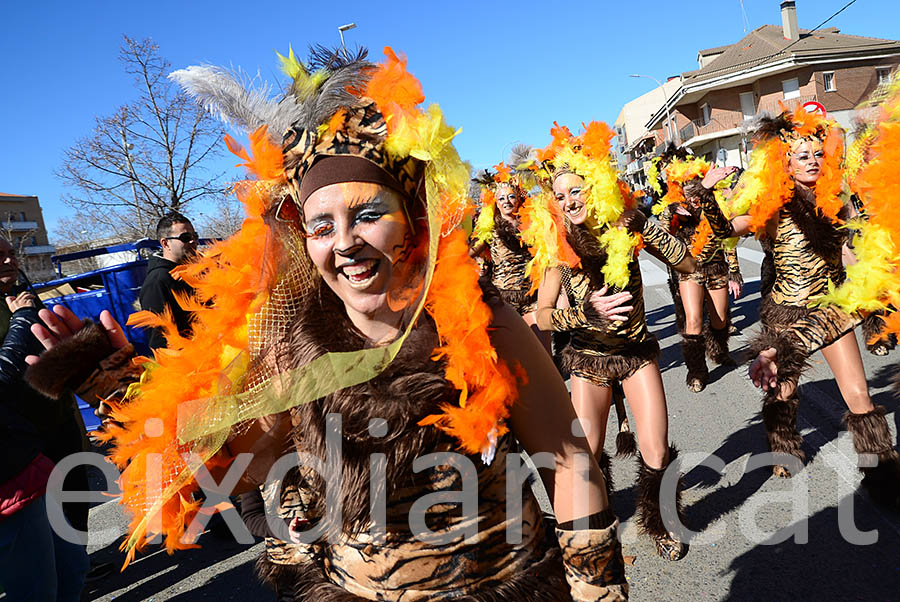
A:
x: 568, y: 189
x: 507, y: 200
x: 805, y: 161
x: 360, y: 241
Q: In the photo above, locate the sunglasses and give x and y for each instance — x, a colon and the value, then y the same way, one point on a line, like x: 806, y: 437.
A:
x: 185, y: 237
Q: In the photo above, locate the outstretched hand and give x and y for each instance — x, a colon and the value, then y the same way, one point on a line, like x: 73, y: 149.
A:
x: 611, y: 307
x: 61, y: 323
x: 764, y: 369
x: 716, y: 175
x: 632, y: 220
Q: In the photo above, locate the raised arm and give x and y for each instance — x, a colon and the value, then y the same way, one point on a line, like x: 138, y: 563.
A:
x: 659, y: 243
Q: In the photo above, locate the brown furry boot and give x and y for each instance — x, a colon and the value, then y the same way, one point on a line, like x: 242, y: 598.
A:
x: 693, y: 348
x: 649, y: 509
x: 717, y: 345
x: 780, y: 419
x: 871, y: 436
x: 592, y: 557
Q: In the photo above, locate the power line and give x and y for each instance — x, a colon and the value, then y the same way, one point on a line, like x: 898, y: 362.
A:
x: 817, y: 27
x: 744, y: 19
x: 783, y: 50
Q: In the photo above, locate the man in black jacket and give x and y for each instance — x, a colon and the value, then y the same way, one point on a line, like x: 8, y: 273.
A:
x: 179, y: 243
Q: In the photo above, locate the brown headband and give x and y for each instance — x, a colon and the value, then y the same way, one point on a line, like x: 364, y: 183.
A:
x: 337, y: 169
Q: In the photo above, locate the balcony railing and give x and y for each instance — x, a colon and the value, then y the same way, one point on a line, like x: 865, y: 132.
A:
x: 720, y: 123
x: 18, y: 226
x: 774, y: 108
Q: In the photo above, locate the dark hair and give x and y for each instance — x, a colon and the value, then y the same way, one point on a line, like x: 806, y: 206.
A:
x: 164, y: 227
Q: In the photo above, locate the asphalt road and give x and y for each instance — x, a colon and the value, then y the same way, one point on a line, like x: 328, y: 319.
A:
x: 758, y: 545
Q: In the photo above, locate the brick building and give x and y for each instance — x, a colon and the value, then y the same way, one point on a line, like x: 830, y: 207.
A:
x: 772, y: 64
x: 22, y: 223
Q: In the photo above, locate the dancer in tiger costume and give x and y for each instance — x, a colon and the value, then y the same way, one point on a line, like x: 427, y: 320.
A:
x: 587, y: 245
x: 792, y: 194
x: 718, y: 271
x: 349, y: 326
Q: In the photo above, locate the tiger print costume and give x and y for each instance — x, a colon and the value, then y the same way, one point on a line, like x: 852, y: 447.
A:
x: 357, y: 566
x: 506, y: 268
x: 807, y: 255
x: 601, y: 352
x: 716, y: 266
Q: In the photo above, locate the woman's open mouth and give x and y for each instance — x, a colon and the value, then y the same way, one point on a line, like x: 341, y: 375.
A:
x: 574, y: 210
x: 360, y: 273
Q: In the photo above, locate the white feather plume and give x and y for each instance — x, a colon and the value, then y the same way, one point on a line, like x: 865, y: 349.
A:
x: 226, y: 95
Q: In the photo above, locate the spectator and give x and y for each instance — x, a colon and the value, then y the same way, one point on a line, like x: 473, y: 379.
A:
x: 160, y: 290
x: 35, y: 563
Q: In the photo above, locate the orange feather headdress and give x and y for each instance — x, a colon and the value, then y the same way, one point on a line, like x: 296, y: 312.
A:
x: 767, y: 184
x: 606, y: 197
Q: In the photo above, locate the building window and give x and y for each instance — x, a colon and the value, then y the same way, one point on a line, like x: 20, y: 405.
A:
x: 791, y: 88
x: 24, y: 219
x: 748, y: 105
x: 705, y: 114
x: 829, y: 81
x: 884, y: 74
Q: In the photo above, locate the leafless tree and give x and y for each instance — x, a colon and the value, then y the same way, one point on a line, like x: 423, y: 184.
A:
x: 148, y: 158
x: 223, y: 220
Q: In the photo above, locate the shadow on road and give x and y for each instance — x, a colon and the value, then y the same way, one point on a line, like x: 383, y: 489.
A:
x: 155, y: 571
x: 827, y: 567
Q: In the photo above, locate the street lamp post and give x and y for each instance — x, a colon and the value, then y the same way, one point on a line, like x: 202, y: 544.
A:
x: 670, y: 130
x: 344, y: 28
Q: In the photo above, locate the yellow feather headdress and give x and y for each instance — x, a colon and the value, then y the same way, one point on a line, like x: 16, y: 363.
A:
x: 588, y: 156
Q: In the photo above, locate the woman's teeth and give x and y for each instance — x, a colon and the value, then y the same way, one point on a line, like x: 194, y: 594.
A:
x: 361, y: 272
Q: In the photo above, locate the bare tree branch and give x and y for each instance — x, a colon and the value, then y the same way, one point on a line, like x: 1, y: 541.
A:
x: 147, y: 158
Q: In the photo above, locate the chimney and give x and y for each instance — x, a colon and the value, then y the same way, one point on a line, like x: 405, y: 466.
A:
x: 789, y: 20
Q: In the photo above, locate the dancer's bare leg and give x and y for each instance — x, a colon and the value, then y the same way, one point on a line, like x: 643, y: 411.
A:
x: 845, y: 361
x: 692, y: 296
x: 592, y: 405
x: 647, y: 399
x: 717, y: 305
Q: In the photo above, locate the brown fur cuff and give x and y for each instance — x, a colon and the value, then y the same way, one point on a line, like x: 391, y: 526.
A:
x: 76, y: 361
x: 790, y: 354
x: 594, y: 318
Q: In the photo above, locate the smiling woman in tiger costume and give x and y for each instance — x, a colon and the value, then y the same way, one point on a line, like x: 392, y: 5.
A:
x: 496, y: 236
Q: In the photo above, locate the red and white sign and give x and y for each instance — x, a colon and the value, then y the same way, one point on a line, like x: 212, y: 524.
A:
x: 815, y: 107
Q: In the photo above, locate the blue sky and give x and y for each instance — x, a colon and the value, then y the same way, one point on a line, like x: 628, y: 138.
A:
x: 503, y: 71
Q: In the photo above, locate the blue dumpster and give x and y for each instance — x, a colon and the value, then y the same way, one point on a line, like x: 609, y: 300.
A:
x: 114, y: 287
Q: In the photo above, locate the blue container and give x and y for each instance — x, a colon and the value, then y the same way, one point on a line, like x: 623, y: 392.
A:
x: 91, y: 422
x: 115, y: 288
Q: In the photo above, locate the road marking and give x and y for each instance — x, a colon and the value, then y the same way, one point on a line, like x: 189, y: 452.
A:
x: 652, y: 274
x: 750, y: 254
